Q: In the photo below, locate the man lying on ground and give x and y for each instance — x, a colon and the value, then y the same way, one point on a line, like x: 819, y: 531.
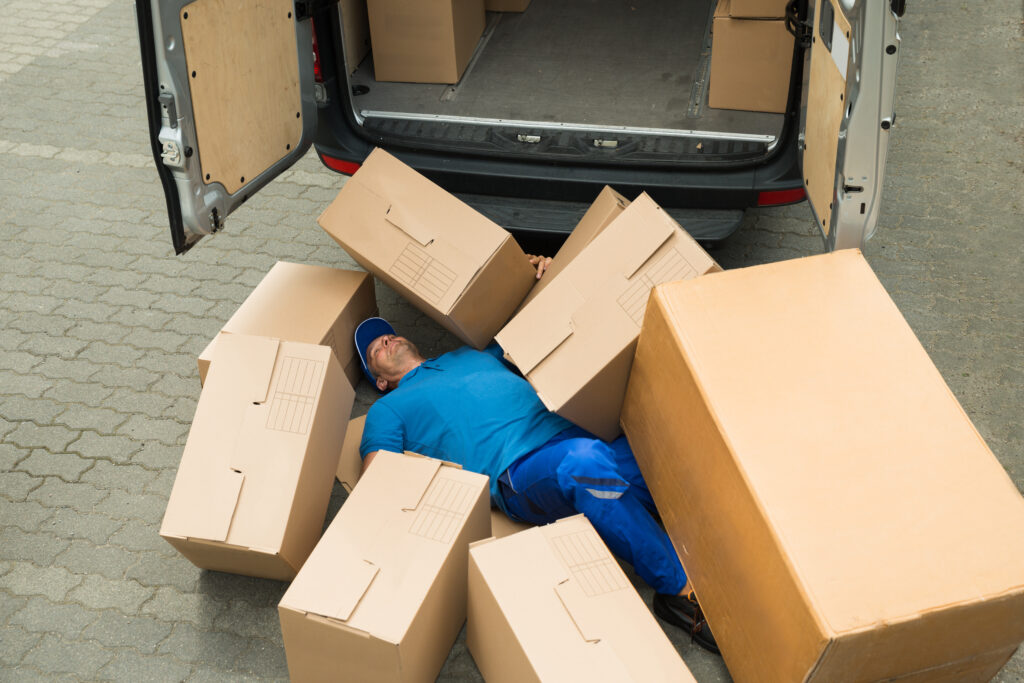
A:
x: 468, y: 407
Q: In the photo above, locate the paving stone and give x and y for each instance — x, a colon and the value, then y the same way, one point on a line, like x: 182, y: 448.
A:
x: 144, y: 321
x: 148, y: 403
x: 58, y: 368
x: 57, y: 345
x: 87, y: 309
x: 130, y: 478
x: 89, y: 392
x: 85, y: 557
x: 165, y: 431
x: 67, y: 466
x: 51, y: 437
x: 135, y: 506
x: 43, y: 616
x: 39, y: 323
x: 177, y: 386
x: 132, y: 378
x: 156, y: 455
x: 37, y: 547
x: 117, y: 630
x: 50, y: 582
x: 102, y: 352
x: 29, y: 385
x: 205, y: 674
x: 26, y: 515
x: 19, y: 361
x: 9, y: 603
x: 162, y: 484
x: 139, y: 535
x: 103, y: 420
x: 10, y: 455
x: 133, y: 667
x: 56, y: 655
x: 71, y: 524
x: 117, y: 449
x: 18, y: 485
x: 157, y: 569
x: 164, y: 363
x: 169, y: 604
x: 56, y: 493
x: 38, y: 410
x: 264, y: 658
x: 101, y: 593
x: 190, y: 644
x: 250, y: 593
x: 16, y: 641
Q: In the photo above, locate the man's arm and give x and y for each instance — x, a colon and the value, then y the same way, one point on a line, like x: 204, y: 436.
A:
x: 383, y: 430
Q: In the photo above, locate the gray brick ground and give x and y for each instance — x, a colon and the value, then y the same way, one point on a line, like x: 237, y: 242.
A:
x: 101, y: 326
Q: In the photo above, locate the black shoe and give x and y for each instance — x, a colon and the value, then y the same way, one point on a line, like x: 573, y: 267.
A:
x: 685, y: 612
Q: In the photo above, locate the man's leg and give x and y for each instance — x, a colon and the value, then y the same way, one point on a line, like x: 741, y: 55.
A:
x: 575, y: 475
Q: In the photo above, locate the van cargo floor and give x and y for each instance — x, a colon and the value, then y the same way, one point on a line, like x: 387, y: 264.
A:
x: 637, y: 64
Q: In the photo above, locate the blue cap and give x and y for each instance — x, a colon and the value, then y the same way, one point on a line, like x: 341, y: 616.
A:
x: 368, y: 330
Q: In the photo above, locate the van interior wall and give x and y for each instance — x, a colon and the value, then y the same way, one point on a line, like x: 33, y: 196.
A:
x: 594, y: 62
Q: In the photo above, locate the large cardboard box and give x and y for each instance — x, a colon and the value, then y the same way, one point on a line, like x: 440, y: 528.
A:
x: 448, y: 260
x: 552, y: 604
x: 355, y: 23
x: 256, y: 475
x: 838, y: 514
x: 606, y: 208
x: 574, y: 342
x: 428, y: 41
x: 303, y: 303
x: 350, y: 468
x: 751, y: 62
x: 758, y: 9
x: 383, y: 595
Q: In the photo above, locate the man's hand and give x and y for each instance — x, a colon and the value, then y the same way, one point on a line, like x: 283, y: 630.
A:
x: 540, y: 262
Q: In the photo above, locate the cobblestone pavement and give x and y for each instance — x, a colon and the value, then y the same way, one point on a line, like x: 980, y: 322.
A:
x: 101, y: 325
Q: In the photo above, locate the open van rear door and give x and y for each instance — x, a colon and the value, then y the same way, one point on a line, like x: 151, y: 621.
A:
x: 847, y: 112
x: 229, y: 93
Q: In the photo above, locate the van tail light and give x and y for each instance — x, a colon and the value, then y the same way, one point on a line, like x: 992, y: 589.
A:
x: 346, y: 167
x: 778, y: 197
x: 318, y: 75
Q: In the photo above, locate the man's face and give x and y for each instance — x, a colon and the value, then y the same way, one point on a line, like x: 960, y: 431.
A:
x: 388, y: 355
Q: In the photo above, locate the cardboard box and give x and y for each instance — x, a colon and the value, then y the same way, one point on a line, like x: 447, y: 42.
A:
x: 574, y: 342
x: 751, y: 63
x: 757, y: 9
x: 552, y: 604
x: 255, y: 477
x: 350, y: 467
x: 838, y: 514
x: 428, y: 41
x: 383, y: 595
x: 448, y: 260
x: 355, y: 23
x: 507, y: 5
x: 608, y: 205
x: 303, y: 303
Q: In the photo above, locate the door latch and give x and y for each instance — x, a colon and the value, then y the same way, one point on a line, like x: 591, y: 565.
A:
x: 801, y: 29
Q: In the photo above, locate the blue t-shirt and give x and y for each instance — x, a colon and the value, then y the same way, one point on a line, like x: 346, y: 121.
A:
x: 465, y: 407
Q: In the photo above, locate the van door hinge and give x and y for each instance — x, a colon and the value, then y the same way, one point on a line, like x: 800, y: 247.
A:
x: 802, y: 29
x: 304, y: 9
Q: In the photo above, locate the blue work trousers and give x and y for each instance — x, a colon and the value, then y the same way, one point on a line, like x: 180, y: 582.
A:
x: 576, y: 472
